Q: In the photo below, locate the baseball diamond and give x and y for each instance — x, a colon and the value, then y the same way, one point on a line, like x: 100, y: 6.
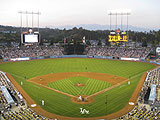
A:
x: 56, y: 82
x: 79, y: 60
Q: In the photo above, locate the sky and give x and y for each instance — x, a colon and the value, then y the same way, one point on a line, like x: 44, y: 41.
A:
x: 144, y: 13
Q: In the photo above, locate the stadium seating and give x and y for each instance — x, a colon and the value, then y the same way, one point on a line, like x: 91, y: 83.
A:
x: 141, y: 111
x: 30, y: 51
x: 22, y: 114
x: 6, y: 111
x: 118, y: 52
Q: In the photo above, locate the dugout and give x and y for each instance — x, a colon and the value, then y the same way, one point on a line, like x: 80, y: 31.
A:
x: 7, y: 95
x: 146, y: 97
x: 1, y: 58
x: 152, y: 94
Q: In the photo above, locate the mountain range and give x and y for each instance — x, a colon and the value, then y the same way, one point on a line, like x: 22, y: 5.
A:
x: 102, y: 27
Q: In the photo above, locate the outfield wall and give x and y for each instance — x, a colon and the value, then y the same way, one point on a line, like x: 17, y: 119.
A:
x: 79, y: 56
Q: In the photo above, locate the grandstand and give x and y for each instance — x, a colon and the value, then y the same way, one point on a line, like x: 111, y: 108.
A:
x: 119, y: 52
x: 30, y: 51
x: 10, y: 110
x: 36, y: 51
x: 151, y: 109
x: 22, y: 114
x: 141, y: 112
x: 19, y: 109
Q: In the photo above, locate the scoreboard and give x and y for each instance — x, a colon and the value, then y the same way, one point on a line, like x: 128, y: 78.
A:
x: 117, y: 37
x: 30, y: 37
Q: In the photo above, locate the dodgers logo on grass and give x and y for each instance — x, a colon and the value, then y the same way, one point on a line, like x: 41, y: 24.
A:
x: 84, y: 111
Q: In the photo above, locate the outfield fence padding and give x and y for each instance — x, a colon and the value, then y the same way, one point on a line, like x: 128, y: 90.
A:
x: 79, y: 56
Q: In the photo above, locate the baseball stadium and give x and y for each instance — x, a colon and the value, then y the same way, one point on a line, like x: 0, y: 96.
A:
x: 79, y: 74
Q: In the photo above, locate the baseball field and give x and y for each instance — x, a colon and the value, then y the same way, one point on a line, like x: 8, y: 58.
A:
x: 106, y: 85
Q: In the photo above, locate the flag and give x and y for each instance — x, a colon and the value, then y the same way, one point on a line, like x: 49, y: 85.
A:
x: 84, y: 40
x: 65, y: 40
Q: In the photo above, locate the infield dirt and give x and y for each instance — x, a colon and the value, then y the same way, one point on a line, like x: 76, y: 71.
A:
x: 59, y: 76
x: 46, y: 79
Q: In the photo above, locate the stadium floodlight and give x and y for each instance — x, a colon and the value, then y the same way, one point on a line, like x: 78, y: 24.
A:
x: 120, y: 12
x: 27, y: 13
x: 127, y: 11
x: 34, y: 35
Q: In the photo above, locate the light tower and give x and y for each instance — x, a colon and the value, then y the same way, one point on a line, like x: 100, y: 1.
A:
x: 27, y: 28
x: 119, y: 12
x: 120, y: 35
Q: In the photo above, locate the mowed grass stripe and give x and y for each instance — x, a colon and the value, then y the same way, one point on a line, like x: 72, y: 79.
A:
x: 90, y: 85
x: 61, y: 104
x: 65, y: 87
x: 76, y: 91
x: 88, y: 88
x: 115, y: 94
x: 85, y: 88
x: 94, y: 87
x: 71, y: 88
x: 61, y: 85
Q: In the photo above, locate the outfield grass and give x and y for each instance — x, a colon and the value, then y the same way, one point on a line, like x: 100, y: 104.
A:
x: 90, y: 87
x: 60, y: 104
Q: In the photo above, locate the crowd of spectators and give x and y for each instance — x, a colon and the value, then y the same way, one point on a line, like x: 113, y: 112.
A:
x: 118, y: 51
x: 23, y: 114
x: 141, y: 111
x: 157, y: 60
x: 17, y: 110
x: 30, y: 51
x: 36, y: 51
x: 4, y: 106
x: 153, y: 78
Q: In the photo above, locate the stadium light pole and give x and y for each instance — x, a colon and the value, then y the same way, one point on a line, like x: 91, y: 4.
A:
x: 118, y: 12
x: 110, y: 23
x: 27, y: 20
x: 127, y: 24
x: 116, y: 21
x: 38, y: 19
x: 29, y: 13
x: 32, y: 20
x: 26, y: 13
x: 21, y: 21
x: 121, y: 21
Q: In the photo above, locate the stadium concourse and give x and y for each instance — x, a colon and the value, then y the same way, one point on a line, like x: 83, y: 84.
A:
x: 146, y: 107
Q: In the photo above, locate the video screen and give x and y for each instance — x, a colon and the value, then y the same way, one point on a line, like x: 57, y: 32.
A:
x: 30, y: 38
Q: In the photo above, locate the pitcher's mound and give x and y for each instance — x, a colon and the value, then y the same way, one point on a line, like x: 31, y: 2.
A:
x: 82, y: 99
x: 79, y: 84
